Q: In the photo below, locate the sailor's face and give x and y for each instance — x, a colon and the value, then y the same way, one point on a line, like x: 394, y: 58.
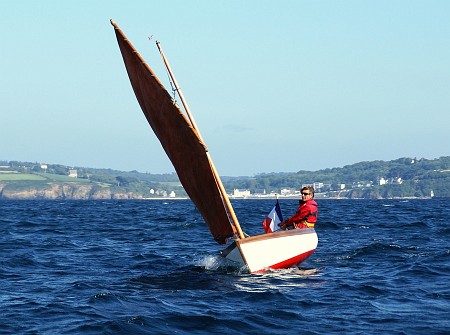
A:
x: 306, y: 195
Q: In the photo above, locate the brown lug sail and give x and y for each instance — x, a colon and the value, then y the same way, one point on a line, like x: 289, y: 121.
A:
x: 179, y: 139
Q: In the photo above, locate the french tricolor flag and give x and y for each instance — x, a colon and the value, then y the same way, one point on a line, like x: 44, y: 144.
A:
x: 273, y: 219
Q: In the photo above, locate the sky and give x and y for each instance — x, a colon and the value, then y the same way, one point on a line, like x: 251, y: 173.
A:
x: 274, y: 86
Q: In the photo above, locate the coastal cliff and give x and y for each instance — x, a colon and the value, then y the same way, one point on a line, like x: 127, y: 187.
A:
x: 63, y: 191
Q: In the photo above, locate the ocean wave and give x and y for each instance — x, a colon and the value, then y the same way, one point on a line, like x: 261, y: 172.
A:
x: 119, y: 268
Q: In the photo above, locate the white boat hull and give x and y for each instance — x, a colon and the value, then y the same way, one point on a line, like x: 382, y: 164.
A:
x: 278, y: 250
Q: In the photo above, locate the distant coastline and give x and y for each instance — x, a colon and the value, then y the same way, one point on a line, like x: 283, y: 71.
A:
x: 404, y: 178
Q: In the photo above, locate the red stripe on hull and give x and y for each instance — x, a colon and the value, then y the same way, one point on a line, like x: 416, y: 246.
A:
x: 291, y: 261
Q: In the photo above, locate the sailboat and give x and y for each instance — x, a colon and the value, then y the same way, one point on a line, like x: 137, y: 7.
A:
x: 181, y: 140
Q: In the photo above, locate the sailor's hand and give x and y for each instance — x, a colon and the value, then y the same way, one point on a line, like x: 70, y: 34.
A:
x: 282, y: 225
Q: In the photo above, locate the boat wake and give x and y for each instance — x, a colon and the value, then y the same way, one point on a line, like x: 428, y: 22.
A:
x: 217, y: 263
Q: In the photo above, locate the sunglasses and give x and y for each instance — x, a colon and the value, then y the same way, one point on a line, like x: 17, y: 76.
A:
x: 305, y: 193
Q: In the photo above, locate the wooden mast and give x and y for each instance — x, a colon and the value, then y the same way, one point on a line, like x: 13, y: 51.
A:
x: 236, y: 226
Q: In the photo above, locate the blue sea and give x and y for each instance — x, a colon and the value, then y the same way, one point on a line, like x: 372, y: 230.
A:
x: 152, y: 267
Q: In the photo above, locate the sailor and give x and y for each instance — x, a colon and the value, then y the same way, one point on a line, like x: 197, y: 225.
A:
x: 306, y: 214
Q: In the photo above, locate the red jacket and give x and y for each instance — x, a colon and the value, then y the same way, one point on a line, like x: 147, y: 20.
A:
x: 305, y: 216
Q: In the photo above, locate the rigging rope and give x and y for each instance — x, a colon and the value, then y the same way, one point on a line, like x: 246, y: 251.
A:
x: 174, y: 89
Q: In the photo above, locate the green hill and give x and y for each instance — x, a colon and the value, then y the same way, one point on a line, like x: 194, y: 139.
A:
x: 27, y: 180
x: 403, y: 177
